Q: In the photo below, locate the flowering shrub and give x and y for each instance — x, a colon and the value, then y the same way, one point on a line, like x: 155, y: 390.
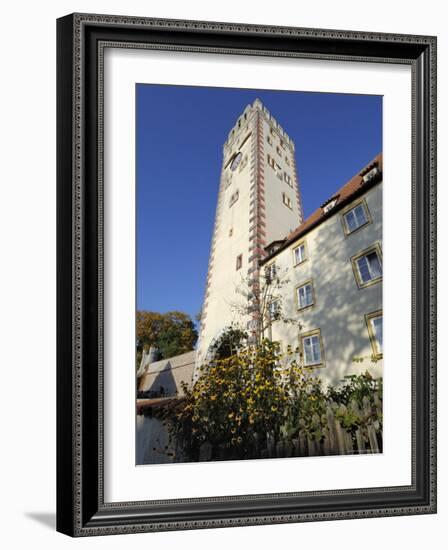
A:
x: 240, y: 402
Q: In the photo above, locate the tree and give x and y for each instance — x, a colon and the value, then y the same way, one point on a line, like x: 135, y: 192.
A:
x: 263, y: 300
x: 172, y: 333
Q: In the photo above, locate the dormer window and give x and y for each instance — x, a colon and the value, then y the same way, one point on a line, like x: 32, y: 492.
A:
x: 371, y: 175
x: 327, y: 207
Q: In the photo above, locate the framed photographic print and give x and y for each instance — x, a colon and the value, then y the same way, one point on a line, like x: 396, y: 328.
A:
x: 246, y: 314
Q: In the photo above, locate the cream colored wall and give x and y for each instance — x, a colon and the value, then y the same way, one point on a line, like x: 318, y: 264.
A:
x: 280, y: 220
x: 340, y: 306
x: 169, y: 374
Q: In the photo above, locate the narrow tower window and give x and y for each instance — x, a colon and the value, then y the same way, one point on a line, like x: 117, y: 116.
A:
x: 239, y: 262
x: 234, y: 198
x: 287, y: 201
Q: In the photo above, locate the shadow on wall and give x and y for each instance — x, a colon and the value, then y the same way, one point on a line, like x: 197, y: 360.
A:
x: 339, y: 305
x: 164, y: 384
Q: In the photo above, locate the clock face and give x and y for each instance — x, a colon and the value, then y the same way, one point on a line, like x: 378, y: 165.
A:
x: 236, y: 161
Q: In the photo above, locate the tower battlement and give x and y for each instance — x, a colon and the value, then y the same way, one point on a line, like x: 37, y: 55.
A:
x: 244, y: 118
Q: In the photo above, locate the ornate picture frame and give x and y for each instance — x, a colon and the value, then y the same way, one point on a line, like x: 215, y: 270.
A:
x: 81, y: 42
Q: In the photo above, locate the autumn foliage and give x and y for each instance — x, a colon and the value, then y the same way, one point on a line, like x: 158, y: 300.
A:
x: 172, y: 333
x: 239, y: 402
x: 236, y: 401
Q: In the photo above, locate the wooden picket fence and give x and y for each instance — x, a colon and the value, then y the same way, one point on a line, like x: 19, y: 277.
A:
x: 334, y: 438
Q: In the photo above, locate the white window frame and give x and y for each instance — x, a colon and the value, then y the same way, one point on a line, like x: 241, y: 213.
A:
x: 298, y: 288
x: 360, y: 204
x: 356, y: 268
x: 377, y: 346
x: 330, y: 206
x: 305, y: 253
x: 273, y: 316
x: 287, y: 201
x: 313, y: 336
x: 270, y: 271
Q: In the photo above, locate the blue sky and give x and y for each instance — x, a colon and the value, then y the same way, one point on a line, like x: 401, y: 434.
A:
x: 180, y: 134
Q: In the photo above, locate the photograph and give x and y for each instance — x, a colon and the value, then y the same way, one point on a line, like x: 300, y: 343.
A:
x: 226, y: 253
x: 259, y: 271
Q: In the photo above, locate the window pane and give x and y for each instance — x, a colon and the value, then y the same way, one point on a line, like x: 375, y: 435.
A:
x: 351, y: 221
x: 316, y: 349
x: 301, y: 296
x: 377, y: 324
x: 312, y: 353
x: 360, y: 215
x: 299, y: 253
x: 308, y: 295
x: 308, y: 350
x: 364, y: 270
x: 374, y: 265
x: 305, y: 295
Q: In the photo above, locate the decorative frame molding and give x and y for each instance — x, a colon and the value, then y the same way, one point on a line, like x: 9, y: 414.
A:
x: 81, y: 39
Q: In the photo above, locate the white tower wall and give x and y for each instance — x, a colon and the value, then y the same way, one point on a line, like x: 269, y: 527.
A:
x: 258, y: 202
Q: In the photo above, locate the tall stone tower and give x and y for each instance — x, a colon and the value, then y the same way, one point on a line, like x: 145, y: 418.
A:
x: 258, y: 202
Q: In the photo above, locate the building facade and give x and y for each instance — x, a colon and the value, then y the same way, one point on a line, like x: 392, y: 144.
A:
x: 258, y: 202
x: 332, y: 268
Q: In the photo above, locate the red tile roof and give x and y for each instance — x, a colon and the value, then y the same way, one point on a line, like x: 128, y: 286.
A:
x: 344, y: 195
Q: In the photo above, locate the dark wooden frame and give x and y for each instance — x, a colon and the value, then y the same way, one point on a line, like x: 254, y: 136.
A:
x: 81, y: 510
